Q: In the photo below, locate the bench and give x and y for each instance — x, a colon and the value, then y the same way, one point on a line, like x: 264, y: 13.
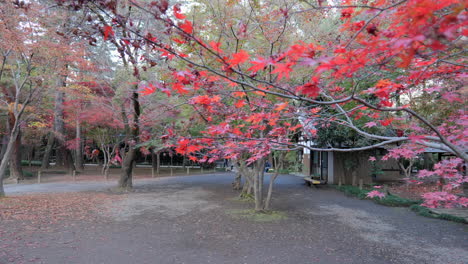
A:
x: 310, y: 181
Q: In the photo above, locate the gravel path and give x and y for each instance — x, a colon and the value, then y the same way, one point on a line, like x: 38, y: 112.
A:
x: 190, y: 220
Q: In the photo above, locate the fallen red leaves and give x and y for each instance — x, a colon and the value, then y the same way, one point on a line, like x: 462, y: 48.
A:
x: 38, y: 209
x: 415, y: 191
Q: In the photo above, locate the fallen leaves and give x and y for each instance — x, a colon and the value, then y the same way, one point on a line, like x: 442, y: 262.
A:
x: 48, y: 209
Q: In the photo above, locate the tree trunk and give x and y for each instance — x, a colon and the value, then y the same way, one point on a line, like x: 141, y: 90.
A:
x: 31, y: 151
x: 258, y: 185
x: 4, y: 145
x: 59, y: 127
x: 79, y: 148
x: 48, y: 151
x: 279, y: 163
x: 125, y: 180
x: 6, y: 158
x: 270, y: 191
x: 236, y: 185
x: 68, y: 161
x: 106, y: 159
x: 258, y: 199
x: 16, y: 172
x: 158, y: 162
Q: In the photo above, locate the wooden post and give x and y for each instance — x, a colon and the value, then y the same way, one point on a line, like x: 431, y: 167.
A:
x: 201, y: 167
x: 39, y: 176
x: 361, y: 183
x: 171, y: 166
x: 354, y: 180
x: 188, y: 170
x: 152, y: 172
x: 74, y: 175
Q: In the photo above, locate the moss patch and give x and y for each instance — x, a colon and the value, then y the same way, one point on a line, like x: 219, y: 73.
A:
x: 424, y: 211
x: 269, y: 216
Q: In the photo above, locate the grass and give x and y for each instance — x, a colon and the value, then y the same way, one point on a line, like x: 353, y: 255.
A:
x: 244, y: 198
x: 250, y: 214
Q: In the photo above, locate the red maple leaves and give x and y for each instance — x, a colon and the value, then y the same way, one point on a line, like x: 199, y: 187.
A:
x: 187, y: 27
x: 177, y: 13
x: 310, y: 89
x: 238, y: 58
x: 108, y: 32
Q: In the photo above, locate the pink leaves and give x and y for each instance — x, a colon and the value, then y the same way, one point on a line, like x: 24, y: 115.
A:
x: 370, y: 124
x: 425, y: 173
x: 442, y: 199
x: 375, y: 193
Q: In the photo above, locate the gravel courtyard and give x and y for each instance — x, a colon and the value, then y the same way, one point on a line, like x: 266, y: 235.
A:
x: 197, y: 219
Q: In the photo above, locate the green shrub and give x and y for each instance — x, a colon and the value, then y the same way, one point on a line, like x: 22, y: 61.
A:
x: 353, y: 191
x: 33, y: 163
x: 27, y: 174
x: 396, y: 201
x: 388, y: 200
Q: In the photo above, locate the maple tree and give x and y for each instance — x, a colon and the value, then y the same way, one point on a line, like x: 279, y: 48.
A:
x: 260, y: 75
x: 24, y: 74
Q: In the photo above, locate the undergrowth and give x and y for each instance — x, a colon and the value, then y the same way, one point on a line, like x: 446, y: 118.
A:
x: 397, y: 201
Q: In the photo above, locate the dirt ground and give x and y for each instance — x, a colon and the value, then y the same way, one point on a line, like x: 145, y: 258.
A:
x: 197, y: 219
